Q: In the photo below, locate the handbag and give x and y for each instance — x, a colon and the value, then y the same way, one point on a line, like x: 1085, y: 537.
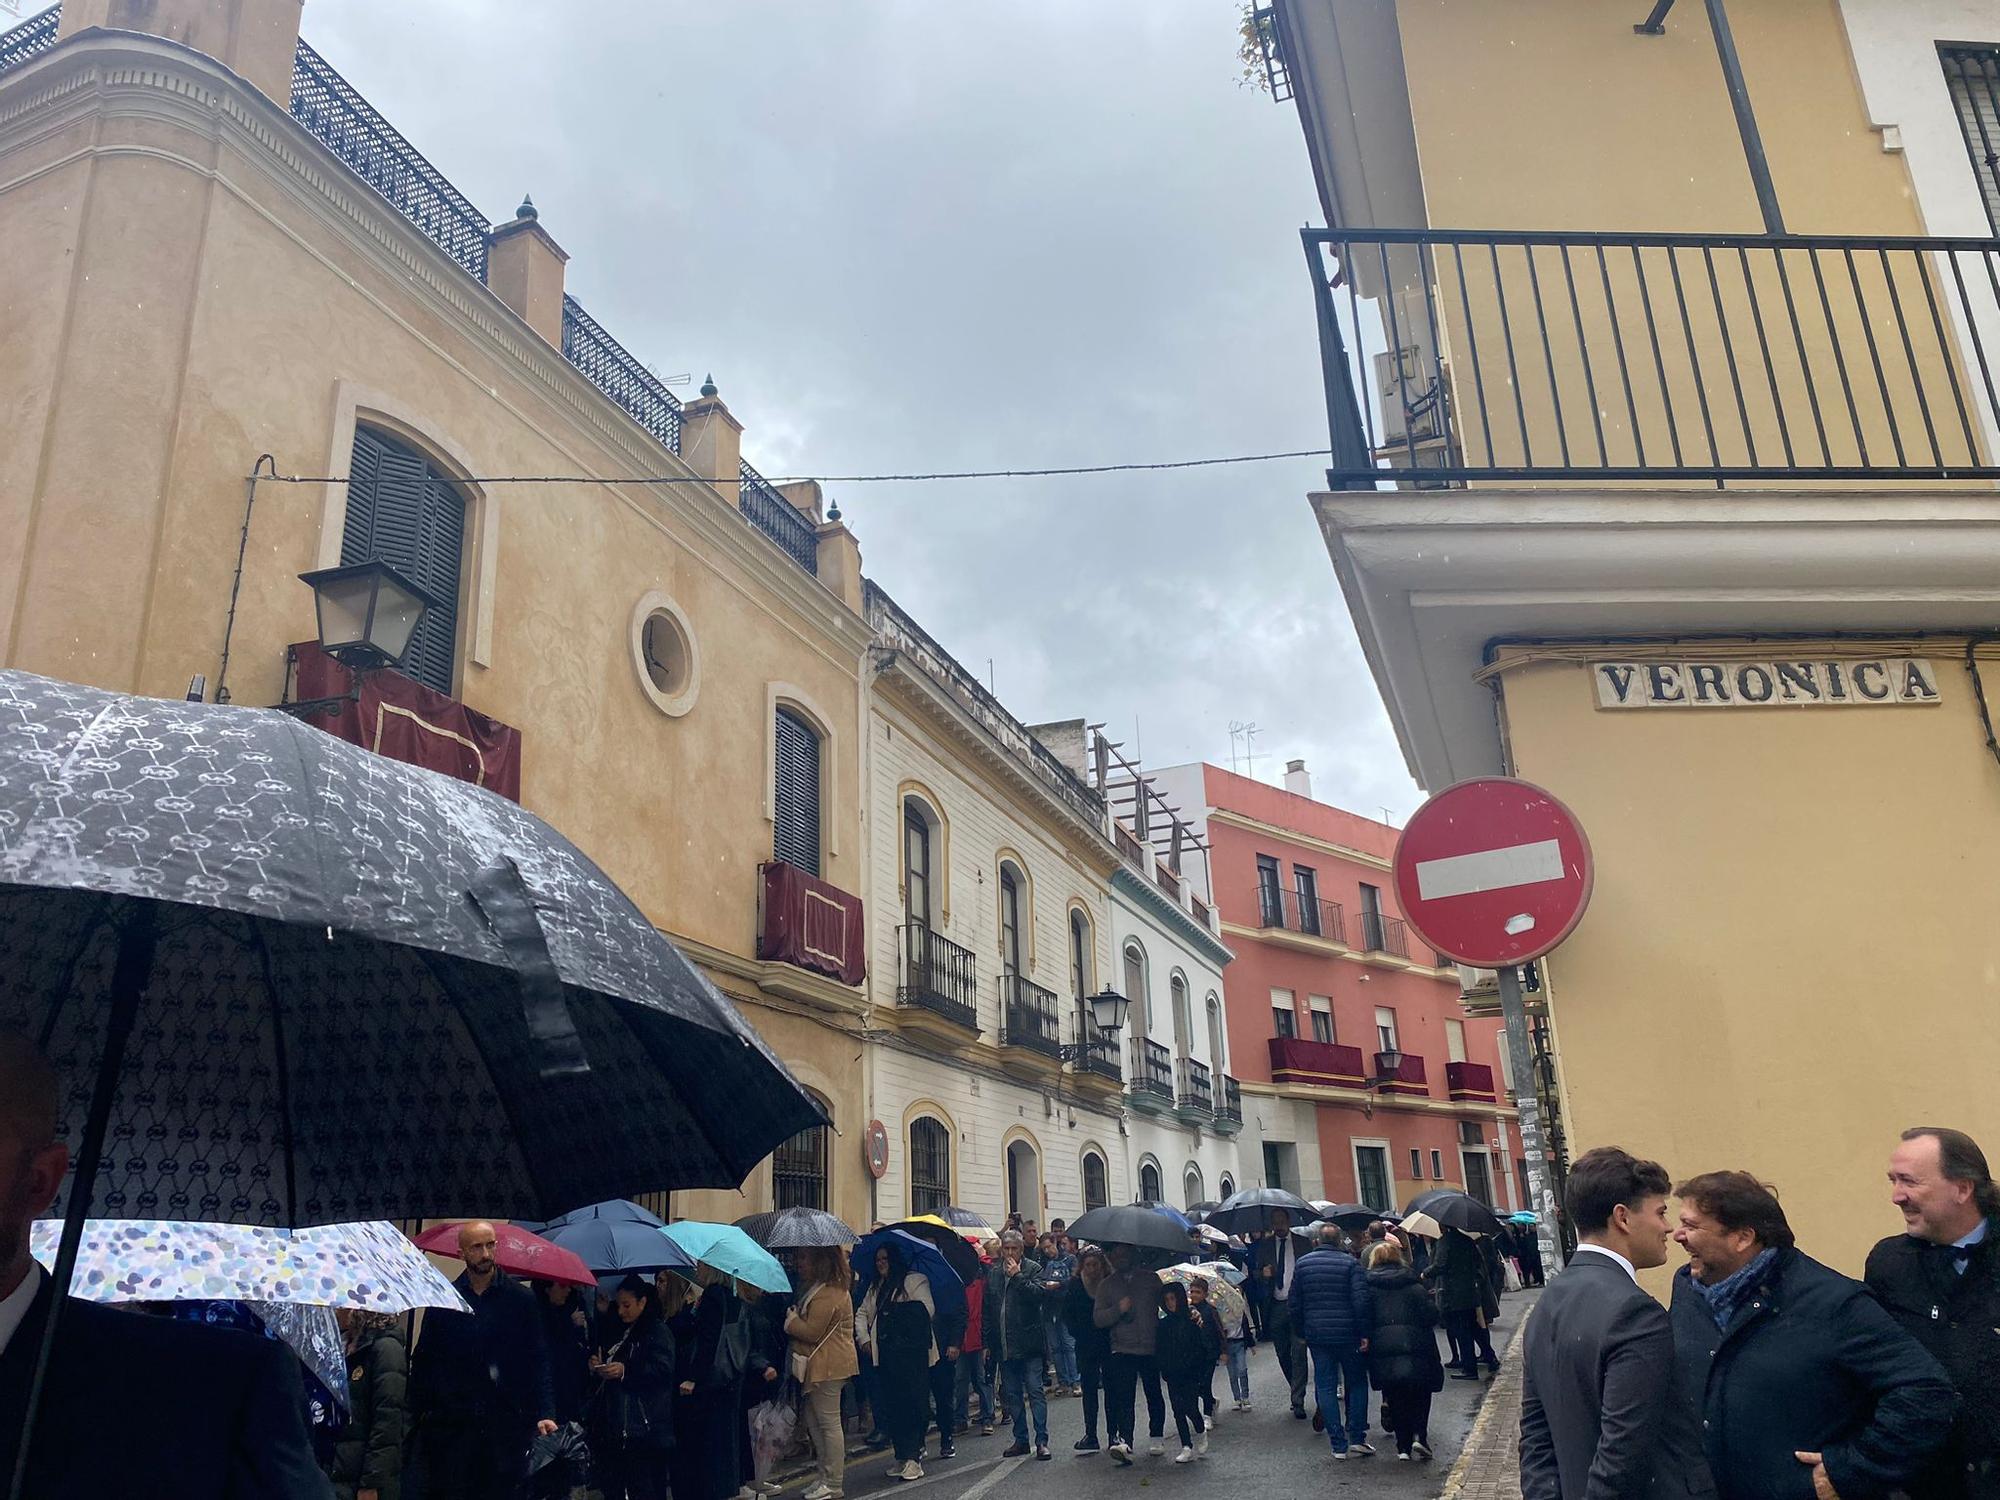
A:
x: 732, y: 1350
x: 800, y: 1362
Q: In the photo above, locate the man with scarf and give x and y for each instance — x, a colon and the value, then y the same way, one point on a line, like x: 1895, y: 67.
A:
x: 1805, y: 1388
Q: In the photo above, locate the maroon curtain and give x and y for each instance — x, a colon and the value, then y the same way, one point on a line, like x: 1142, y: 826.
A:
x: 811, y: 924
x: 404, y: 720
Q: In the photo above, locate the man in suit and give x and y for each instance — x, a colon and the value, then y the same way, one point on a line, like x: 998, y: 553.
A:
x: 1274, y: 1261
x: 1602, y: 1417
x: 133, y: 1405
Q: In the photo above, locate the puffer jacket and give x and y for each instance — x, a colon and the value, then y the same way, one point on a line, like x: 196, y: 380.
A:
x: 1013, y: 1311
x: 1330, y: 1304
x: 368, y: 1455
x: 1403, y: 1349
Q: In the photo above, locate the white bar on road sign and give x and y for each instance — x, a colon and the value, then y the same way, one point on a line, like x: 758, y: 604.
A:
x: 1489, y: 870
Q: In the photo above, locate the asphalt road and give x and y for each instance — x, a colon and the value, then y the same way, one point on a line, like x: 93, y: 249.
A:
x: 1265, y: 1449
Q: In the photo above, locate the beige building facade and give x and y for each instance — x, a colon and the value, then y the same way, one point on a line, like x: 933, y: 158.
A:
x: 221, y: 260
x: 1793, y: 797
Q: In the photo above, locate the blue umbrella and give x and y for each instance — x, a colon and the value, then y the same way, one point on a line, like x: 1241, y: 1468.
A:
x: 608, y: 1245
x: 947, y: 1291
x: 1186, y: 1224
x: 725, y: 1248
x: 621, y: 1210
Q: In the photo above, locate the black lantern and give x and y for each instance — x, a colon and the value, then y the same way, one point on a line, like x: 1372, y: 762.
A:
x: 368, y: 613
x: 1107, y: 1009
x: 1388, y: 1066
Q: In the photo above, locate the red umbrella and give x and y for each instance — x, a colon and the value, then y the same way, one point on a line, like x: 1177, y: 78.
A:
x: 519, y: 1253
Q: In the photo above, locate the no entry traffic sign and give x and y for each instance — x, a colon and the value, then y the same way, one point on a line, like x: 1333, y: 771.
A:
x: 1493, y: 872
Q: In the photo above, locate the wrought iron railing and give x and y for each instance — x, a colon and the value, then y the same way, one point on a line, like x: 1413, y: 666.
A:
x: 1196, y: 1089
x: 348, y: 126
x: 1293, y: 913
x: 1265, y: 19
x: 939, y: 976
x: 1152, y: 1068
x: 902, y: 634
x: 779, y: 519
x: 609, y: 366
x: 1028, y: 1016
x: 35, y: 35
x: 1230, y: 1106
x: 1384, y: 934
x: 1669, y: 357
x: 1099, y: 1052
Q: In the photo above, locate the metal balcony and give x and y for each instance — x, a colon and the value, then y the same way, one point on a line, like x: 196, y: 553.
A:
x: 1384, y: 934
x: 1096, y: 1053
x: 939, y: 976
x: 1152, y: 1071
x: 1284, y: 909
x: 1230, y: 1107
x: 1710, y: 358
x: 1028, y: 1016
x: 1195, y: 1093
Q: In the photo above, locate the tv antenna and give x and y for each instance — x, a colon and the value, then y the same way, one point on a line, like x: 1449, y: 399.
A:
x: 1245, y: 735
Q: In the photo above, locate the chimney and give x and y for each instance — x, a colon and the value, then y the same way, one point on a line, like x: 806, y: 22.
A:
x: 254, y: 39
x: 524, y: 269
x: 1297, y: 781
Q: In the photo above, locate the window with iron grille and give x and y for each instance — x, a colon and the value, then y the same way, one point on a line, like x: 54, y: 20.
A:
x: 1417, y: 1163
x: 1095, y: 1191
x: 930, y: 1166
x: 1371, y: 1173
x: 795, y: 800
x: 1972, y: 74
x: 1149, y: 1183
x: 798, y: 1170
x: 401, y: 510
x: 1226, y: 1188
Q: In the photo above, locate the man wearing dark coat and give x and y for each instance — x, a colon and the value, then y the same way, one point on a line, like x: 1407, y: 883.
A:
x: 1804, y: 1386
x: 133, y: 1405
x: 479, y: 1385
x: 1602, y: 1416
x: 1941, y: 1281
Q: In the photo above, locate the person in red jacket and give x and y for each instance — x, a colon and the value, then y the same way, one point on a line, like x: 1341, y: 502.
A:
x: 972, y: 1372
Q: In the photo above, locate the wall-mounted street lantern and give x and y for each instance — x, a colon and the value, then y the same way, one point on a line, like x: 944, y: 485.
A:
x: 1388, y: 1070
x: 1107, y: 1014
x: 368, y: 614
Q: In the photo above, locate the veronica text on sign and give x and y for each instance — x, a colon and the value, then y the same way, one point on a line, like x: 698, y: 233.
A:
x: 1884, y: 682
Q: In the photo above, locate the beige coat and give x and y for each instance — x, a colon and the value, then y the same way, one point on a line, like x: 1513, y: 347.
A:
x: 821, y: 1328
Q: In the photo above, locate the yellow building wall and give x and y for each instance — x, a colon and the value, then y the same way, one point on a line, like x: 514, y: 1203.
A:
x: 191, y: 284
x: 1793, y: 950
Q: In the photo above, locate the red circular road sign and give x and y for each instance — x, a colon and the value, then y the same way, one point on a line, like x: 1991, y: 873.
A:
x: 875, y: 1149
x: 1493, y: 872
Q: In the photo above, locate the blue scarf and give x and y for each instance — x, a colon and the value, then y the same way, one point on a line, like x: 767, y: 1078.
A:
x: 1727, y: 1296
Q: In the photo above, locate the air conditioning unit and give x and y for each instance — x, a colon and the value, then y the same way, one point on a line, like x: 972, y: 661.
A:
x: 1410, y: 398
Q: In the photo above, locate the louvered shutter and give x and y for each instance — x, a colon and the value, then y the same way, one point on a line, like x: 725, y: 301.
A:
x: 1973, y: 76
x: 401, y: 510
x: 796, y: 811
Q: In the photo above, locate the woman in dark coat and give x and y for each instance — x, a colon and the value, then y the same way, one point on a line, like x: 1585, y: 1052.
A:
x: 710, y: 1349
x: 1187, y: 1350
x: 1458, y: 1274
x: 1403, y: 1361
x: 368, y: 1455
x: 566, y: 1333
x: 632, y: 1412
x: 1093, y: 1344
x: 896, y: 1321
x: 764, y: 1316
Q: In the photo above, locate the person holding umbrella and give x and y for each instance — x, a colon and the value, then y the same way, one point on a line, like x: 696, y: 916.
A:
x: 1127, y: 1305
x: 1458, y: 1274
x: 1093, y: 1344
x: 632, y: 1412
x: 895, y: 1324
x: 368, y: 1454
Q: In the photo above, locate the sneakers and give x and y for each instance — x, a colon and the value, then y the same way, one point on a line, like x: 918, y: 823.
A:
x: 1156, y: 1447
x: 1243, y: 1406
x: 1421, y: 1448
x: 986, y: 1429
x: 1362, y: 1450
x: 1341, y: 1454
x: 1201, y: 1444
x: 1085, y: 1445
x: 1042, y: 1452
x: 1185, y: 1456
x: 818, y: 1491
x: 947, y: 1449
x: 1402, y: 1458
x: 1123, y: 1453
x: 910, y: 1470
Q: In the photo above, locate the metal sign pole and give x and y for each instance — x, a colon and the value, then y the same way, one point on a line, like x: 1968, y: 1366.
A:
x: 1521, y: 1059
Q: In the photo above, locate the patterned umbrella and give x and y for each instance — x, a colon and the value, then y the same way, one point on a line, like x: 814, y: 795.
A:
x: 369, y: 1267
x: 963, y: 1218
x: 796, y: 1229
x: 1229, y: 1305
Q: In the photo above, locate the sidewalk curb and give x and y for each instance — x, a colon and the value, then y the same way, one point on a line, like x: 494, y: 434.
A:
x: 1490, y: 1412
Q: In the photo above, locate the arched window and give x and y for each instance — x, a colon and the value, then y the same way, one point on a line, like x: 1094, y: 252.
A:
x: 1011, y: 951
x: 1226, y: 1187
x: 1218, y: 1059
x: 1191, y: 1185
x: 930, y: 1166
x: 1095, y: 1194
x: 1183, y: 1022
x: 799, y: 1169
x: 1080, y: 946
x: 918, y: 892
x: 1149, y: 1182
x: 796, y: 793
x: 403, y: 510
x: 1135, y: 990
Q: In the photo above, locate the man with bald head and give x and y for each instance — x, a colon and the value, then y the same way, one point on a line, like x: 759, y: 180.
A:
x: 133, y: 1404
x: 479, y: 1386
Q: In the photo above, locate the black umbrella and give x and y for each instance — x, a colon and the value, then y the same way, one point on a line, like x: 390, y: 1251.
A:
x: 1133, y: 1224
x: 1197, y: 1213
x: 1348, y: 1215
x: 1251, y: 1210
x: 796, y: 1229
x: 298, y: 983
x: 1424, y: 1197
x: 1454, y: 1210
x: 953, y: 1246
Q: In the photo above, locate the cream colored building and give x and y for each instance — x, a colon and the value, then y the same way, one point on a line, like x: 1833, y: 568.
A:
x: 214, y: 251
x: 1791, y: 953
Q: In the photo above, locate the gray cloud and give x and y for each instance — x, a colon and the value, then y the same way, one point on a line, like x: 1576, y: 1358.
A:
x: 921, y: 236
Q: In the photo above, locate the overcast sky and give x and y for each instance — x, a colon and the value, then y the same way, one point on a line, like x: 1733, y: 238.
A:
x: 912, y: 235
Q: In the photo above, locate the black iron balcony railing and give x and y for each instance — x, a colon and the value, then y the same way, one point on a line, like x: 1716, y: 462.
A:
x: 775, y: 516
x: 1152, y: 1068
x: 1230, y: 1106
x: 36, y: 34
x: 1677, y: 357
x: 1028, y: 1016
x: 1196, y: 1089
x: 1384, y: 934
x: 614, y: 371
x: 1287, y: 909
x: 1099, y: 1052
x: 939, y: 976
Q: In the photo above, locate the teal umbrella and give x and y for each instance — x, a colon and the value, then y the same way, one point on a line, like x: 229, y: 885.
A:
x: 725, y: 1248
x: 1522, y: 1216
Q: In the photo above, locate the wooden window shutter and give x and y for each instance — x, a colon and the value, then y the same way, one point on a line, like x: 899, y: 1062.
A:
x: 406, y: 513
x: 796, y: 810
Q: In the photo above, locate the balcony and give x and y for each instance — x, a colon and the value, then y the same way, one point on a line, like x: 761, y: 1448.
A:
x: 779, y: 519
x: 1323, y: 1064
x: 1384, y: 934
x: 1471, y: 1082
x: 1152, y: 1084
x: 803, y: 921
x: 939, y: 977
x: 1287, y: 911
x: 1409, y: 1079
x: 1028, y: 1017
x: 1229, y: 1108
x: 1705, y: 359
x: 1194, y: 1094
x: 1099, y: 1055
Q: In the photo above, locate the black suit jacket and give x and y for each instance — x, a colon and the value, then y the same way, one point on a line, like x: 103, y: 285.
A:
x: 1602, y: 1416
x: 146, y: 1408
